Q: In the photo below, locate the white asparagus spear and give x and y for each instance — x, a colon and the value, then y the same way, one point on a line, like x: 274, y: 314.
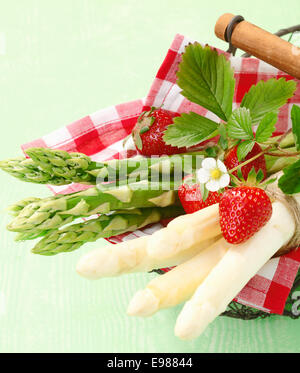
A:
x: 184, y: 232
x: 233, y: 271
x: 130, y: 256
x: 179, y: 284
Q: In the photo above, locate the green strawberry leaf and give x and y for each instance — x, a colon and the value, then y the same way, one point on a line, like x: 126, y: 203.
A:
x: 267, y: 96
x: 239, y: 125
x: 244, y: 148
x: 295, y: 115
x: 190, y: 129
x: 207, y: 79
x: 289, y: 182
x: 266, y: 127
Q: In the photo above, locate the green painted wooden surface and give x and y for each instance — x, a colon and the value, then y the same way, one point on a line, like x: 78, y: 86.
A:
x: 60, y: 60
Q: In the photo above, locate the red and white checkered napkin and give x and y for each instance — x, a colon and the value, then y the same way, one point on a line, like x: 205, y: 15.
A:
x: 100, y: 136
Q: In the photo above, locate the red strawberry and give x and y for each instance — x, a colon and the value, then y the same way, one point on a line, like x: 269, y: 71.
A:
x: 243, y: 211
x: 191, y: 199
x: 149, y: 130
x: 231, y: 161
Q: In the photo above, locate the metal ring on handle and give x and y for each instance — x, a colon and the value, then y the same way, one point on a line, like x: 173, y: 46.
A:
x: 228, y: 32
x: 237, y: 19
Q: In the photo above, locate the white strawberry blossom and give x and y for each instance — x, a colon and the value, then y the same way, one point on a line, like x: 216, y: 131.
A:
x: 213, y: 173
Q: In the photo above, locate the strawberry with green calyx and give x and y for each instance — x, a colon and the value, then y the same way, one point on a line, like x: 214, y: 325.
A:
x: 149, y: 130
x: 243, y: 211
x: 194, y: 197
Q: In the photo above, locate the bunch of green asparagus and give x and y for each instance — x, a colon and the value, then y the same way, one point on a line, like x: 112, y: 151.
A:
x: 128, y: 194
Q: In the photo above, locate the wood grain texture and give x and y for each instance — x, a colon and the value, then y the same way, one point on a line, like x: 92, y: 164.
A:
x: 261, y: 44
x: 60, y: 60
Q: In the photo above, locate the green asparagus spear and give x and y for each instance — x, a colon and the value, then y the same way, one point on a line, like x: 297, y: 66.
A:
x: 32, y: 235
x: 64, y: 164
x: 80, y: 168
x: 27, y: 170
x: 59, y: 167
x: 71, y: 166
x: 17, y: 207
x: 74, y: 236
x: 54, y: 212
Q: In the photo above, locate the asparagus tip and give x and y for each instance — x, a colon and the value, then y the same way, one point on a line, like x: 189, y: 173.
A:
x: 190, y: 322
x: 144, y: 303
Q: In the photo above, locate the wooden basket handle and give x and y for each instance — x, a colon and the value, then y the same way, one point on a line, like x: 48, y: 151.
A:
x: 260, y: 43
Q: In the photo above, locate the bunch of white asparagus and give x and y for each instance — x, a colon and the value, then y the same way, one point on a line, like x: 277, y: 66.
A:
x: 209, y: 272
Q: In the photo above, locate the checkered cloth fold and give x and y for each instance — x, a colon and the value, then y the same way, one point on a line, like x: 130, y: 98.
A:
x: 101, y: 134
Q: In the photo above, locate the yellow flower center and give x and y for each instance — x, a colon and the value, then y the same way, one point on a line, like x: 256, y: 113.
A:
x: 215, y: 173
